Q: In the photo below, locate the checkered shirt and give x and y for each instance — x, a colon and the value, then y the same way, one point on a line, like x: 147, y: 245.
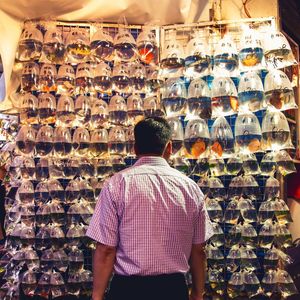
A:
x: 152, y: 214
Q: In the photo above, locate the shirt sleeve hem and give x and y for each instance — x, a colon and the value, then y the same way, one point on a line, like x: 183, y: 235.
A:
x: 102, y: 240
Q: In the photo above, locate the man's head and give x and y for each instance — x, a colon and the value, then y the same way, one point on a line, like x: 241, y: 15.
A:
x: 153, y: 137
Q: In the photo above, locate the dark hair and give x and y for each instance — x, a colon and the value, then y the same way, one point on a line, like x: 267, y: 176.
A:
x: 152, y: 135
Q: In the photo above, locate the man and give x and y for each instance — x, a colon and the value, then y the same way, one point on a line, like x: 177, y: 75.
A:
x: 150, y: 224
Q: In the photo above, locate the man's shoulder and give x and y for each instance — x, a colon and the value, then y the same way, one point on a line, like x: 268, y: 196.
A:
x: 182, y: 176
x: 118, y: 177
x: 133, y: 171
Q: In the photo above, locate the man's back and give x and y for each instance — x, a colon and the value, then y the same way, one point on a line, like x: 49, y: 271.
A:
x: 155, y: 211
x: 150, y: 224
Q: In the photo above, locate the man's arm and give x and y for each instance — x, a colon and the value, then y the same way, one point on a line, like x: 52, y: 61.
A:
x: 104, y: 228
x: 103, y: 263
x: 198, y: 269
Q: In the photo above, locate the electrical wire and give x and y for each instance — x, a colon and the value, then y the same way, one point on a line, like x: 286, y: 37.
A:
x: 245, y: 8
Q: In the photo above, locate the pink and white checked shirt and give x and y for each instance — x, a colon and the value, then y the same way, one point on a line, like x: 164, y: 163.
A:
x: 153, y: 214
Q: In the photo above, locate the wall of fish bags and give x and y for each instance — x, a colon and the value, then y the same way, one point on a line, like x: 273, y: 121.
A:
x: 81, y: 90
x: 228, y: 86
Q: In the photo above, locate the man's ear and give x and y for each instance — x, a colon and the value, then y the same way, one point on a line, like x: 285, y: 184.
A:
x: 168, y: 150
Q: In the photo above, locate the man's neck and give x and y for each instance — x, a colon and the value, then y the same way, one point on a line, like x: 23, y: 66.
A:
x: 149, y: 154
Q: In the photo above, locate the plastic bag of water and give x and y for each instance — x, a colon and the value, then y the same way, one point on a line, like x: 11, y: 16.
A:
x: 137, y: 77
x: 196, y: 138
x: 47, y: 108
x: 99, y: 114
x: 217, y: 190
x: 30, y: 77
x: 199, y: 100
x: 28, y: 109
x: 251, y: 189
x: 153, y: 80
x: 65, y: 80
x: 78, y: 45
x: 62, y: 142
x: 130, y: 141
x: 135, y: 109
x: 250, y: 164
x: 99, y: 142
x: 81, y: 141
x: 218, y: 239
x: 117, y: 110
x: 152, y: 107
x: 247, y: 133
x: 249, y: 235
x: 102, y: 46
x: 47, y: 78
x: 279, y: 91
x: 172, y: 57
x: 120, y: 78
x: 226, y: 60
x: 251, y: 53
x: 250, y: 92
x: 25, y: 140
x: 222, y: 141
x: 147, y: 46
x: 65, y: 114
x: 44, y: 141
x: 268, y: 164
x: 234, y: 165
x: 251, y: 284
x: 216, y: 165
x: 278, y: 53
x: 275, y: 131
x: 82, y: 110
x: 84, y: 81
x: 117, y: 141
x: 285, y: 164
x: 235, y: 285
x: 102, y: 78
x: 272, y: 189
x: 174, y: 96
x: 30, y: 44
x: 224, y: 98
x: 125, y: 45
x: 177, y: 135
x: 198, y: 56
x: 53, y: 47
x: 214, y: 210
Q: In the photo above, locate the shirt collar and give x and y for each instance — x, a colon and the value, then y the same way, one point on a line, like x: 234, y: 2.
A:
x: 152, y: 160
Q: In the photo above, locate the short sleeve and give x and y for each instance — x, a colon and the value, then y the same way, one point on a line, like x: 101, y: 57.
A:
x: 103, y: 227
x: 203, y: 229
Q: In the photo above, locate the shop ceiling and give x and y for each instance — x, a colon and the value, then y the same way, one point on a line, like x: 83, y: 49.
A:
x: 136, y: 11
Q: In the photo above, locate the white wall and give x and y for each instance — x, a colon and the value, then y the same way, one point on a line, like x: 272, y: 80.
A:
x: 233, y: 9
